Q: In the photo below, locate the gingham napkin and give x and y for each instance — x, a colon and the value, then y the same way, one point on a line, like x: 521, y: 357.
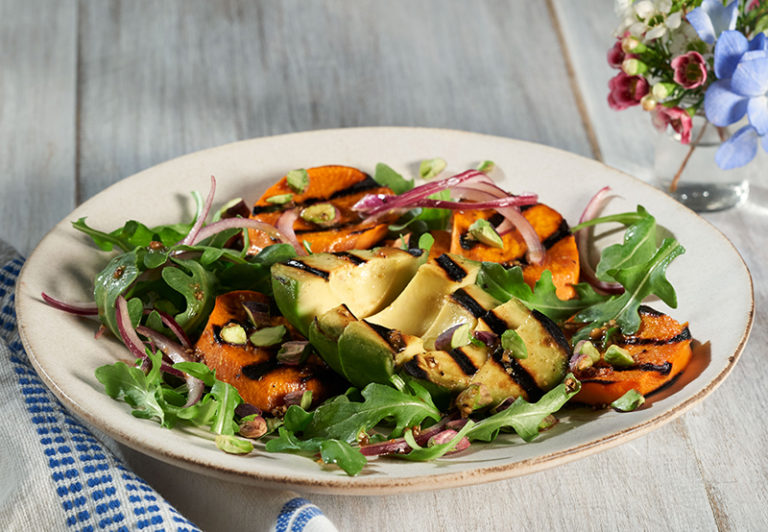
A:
x: 55, y: 474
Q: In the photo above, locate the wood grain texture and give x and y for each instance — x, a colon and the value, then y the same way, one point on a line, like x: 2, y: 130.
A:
x: 625, y: 137
x: 160, y: 79
x: 37, y: 118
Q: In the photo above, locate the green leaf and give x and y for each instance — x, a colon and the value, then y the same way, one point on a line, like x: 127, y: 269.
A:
x: 387, y: 177
x: 113, y: 281
x: 297, y: 419
x: 639, y: 281
x: 351, y: 460
x: 343, y: 419
x: 103, y: 240
x: 130, y: 384
x: 197, y: 287
x: 638, y: 247
x: 524, y: 417
x: 286, y: 441
x: 227, y: 398
x: 504, y: 284
x: 424, y: 454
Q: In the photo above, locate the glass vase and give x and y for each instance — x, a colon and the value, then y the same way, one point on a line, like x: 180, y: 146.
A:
x: 689, y: 173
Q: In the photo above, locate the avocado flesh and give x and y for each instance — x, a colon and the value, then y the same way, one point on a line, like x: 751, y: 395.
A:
x: 451, y: 370
x: 417, y: 306
x: 503, y: 376
x: 324, y: 333
x: 462, y: 306
x: 364, y: 280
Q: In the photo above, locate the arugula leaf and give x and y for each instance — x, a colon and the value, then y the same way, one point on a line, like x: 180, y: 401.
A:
x: 114, y: 280
x: 504, y: 284
x: 227, y: 398
x: 351, y: 460
x: 133, y: 234
x: 130, y: 384
x: 423, y: 454
x: 639, y: 281
x: 387, y: 177
x: 638, y: 247
x: 197, y: 287
x: 343, y: 419
x: 524, y: 417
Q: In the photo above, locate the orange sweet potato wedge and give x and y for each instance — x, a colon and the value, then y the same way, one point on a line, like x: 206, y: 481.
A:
x: 661, y: 348
x: 562, y: 257
x: 341, y: 186
x: 255, y: 371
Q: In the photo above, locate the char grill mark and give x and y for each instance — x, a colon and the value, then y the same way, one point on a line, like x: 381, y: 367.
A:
x: 354, y: 259
x: 684, y: 336
x: 257, y: 371
x: 451, y: 269
x: 463, y: 361
x: 413, y: 369
x: 561, y: 232
x: 361, y: 186
x: 461, y: 297
x: 662, y: 369
x: 293, y: 263
x: 496, y: 324
x: 518, y: 374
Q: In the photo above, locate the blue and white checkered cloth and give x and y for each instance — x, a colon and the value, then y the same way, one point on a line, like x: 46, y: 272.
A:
x: 56, y: 474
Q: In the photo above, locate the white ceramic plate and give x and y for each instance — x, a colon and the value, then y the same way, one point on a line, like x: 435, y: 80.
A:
x: 713, y: 285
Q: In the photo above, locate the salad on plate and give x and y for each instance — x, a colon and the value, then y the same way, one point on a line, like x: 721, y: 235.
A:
x: 347, y: 316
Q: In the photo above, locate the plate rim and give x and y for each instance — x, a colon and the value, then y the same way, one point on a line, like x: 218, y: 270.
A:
x: 380, y: 485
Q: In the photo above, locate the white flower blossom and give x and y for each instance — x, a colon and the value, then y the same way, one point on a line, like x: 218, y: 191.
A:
x: 649, y: 19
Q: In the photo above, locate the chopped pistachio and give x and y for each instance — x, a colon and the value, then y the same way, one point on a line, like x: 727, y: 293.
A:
x: 322, y: 214
x: 233, y: 444
x: 513, y: 343
x: 306, y: 400
x: 426, y: 241
x: 256, y: 427
x: 461, y: 336
x: 268, y: 336
x: 475, y: 396
x: 280, y: 199
x: 233, y: 333
x: 298, y: 180
x: 588, y: 348
x: 629, y: 401
x: 482, y: 231
x: 430, y: 168
x: 618, y: 356
x: 486, y: 167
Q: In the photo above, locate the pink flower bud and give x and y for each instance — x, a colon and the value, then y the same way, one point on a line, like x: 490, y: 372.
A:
x: 678, y: 118
x: 616, y: 55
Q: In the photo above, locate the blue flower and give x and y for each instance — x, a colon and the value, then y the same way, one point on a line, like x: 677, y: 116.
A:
x: 741, y: 67
x: 740, y: 149
x: 712, y: 18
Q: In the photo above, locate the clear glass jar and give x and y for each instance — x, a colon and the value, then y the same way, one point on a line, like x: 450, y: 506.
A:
x: 702, y: 185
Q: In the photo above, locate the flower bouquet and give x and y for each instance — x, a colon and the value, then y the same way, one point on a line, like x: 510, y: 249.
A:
x: 703, y: 59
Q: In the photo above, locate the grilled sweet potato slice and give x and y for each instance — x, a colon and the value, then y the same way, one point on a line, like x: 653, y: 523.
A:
x: 255, y: 371
x: 562, y: 257
x: 661, y: 348
x: 340, y: 186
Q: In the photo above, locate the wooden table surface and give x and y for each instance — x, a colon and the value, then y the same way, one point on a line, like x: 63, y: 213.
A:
x: 92, y: 92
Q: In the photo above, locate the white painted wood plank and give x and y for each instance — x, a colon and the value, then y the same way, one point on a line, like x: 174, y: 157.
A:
x: 164, y: 78
x: 625, y: 137
x: 38, y: 43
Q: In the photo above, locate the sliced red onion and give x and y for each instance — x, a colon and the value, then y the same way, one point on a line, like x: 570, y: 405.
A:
x: 445, y: 437
x: 487, y: 337
x: 238, y: 223
x: 173, y: 325
x: 593, y: 208
x: 375, y: 204
x: 285, y: 226
x: 79, y: 309
x: 509, y: 201
x: 177, y: 353
x: 445, y: 339
x: 396, y: 446
x: 201, y: 216
x: 126, y: 330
